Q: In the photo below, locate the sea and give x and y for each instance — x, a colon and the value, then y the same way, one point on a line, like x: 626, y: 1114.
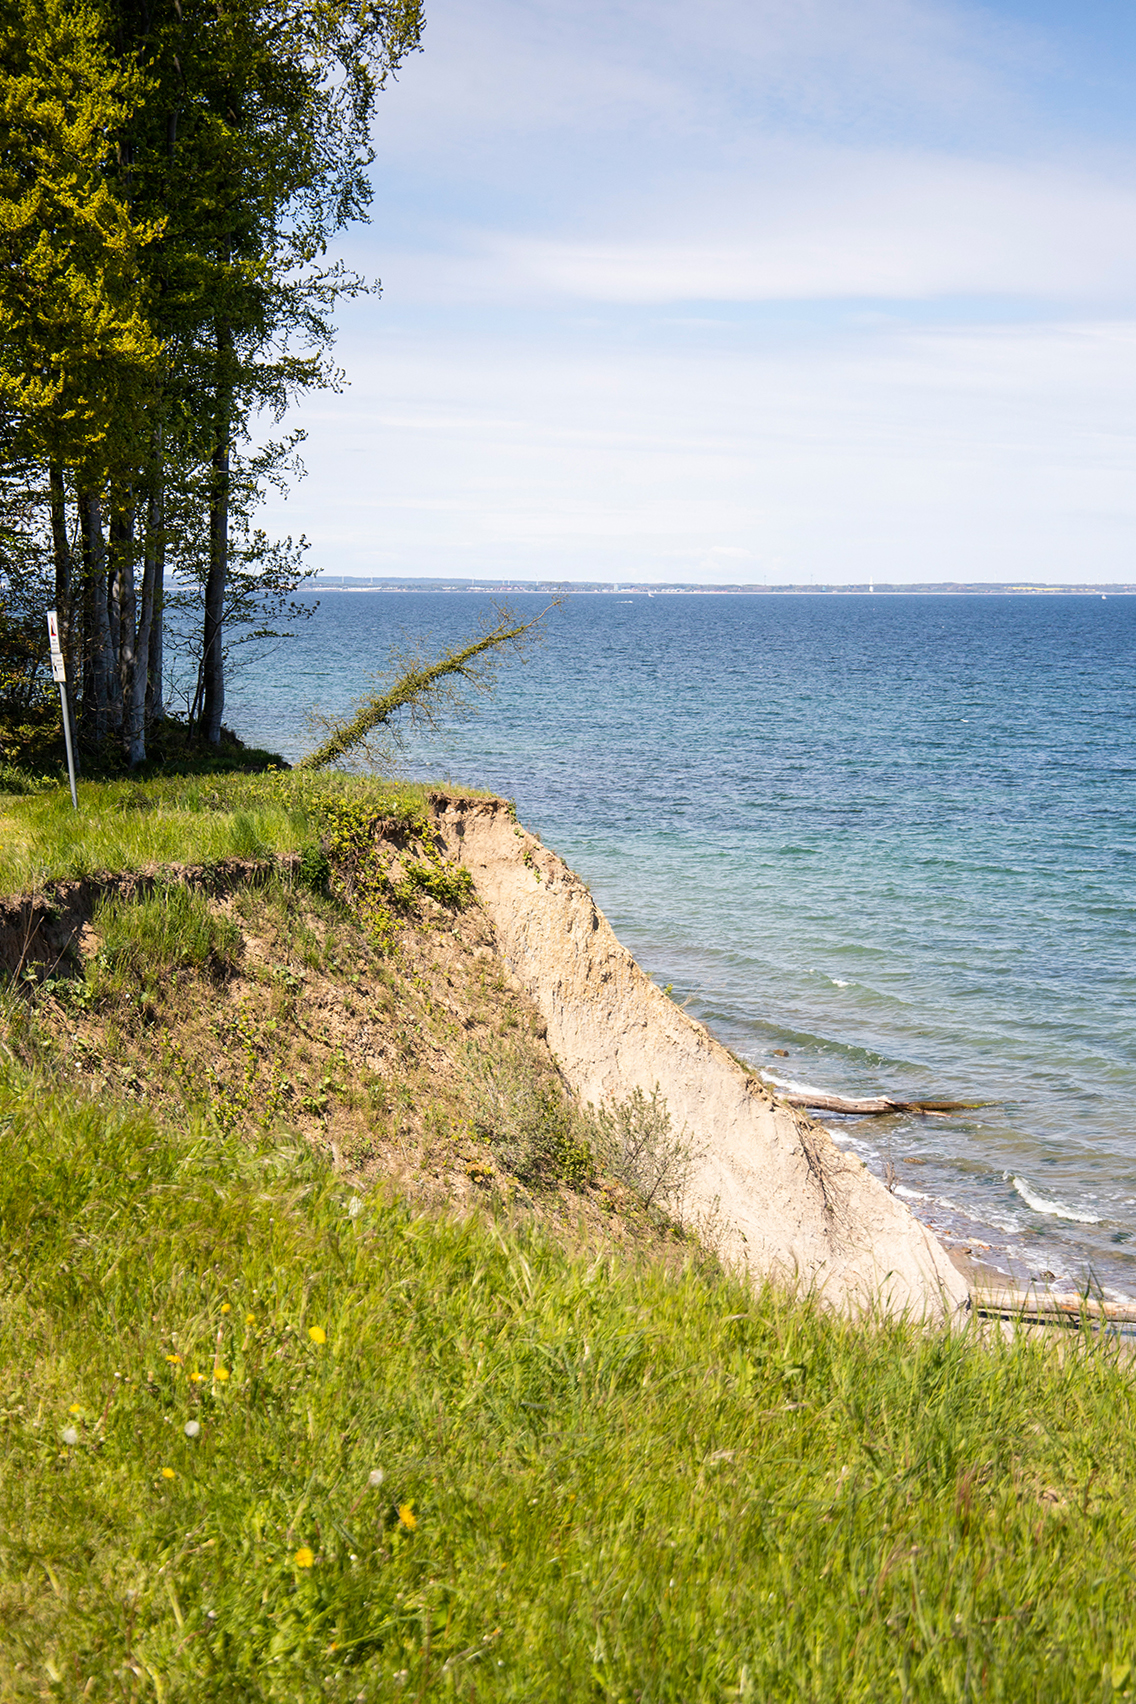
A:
x: 877, y: 844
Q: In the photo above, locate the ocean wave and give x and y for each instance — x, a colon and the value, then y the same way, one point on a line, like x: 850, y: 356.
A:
x: 1054, y: 1209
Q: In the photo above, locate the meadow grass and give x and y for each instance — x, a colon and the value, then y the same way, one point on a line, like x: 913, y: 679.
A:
x: 128, y: 825
x: 262, y: 1437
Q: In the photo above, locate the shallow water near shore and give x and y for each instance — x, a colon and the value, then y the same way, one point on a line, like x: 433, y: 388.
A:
x: 877, y: 844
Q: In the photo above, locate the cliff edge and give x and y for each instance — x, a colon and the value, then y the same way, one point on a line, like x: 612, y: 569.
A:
x: 786, y: 1201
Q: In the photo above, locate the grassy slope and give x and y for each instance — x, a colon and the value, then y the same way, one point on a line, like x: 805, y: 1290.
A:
x: 129, y: 825
x: 605, y: 1474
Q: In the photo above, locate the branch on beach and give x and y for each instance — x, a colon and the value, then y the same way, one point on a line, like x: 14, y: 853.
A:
x: 877, y: 1104
x: 428, y: 688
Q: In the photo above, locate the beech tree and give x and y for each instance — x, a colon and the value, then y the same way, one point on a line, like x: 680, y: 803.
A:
x: 171, y: 174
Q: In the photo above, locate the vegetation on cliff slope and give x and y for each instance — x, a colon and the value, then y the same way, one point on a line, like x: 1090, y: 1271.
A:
x: 276, y: 1423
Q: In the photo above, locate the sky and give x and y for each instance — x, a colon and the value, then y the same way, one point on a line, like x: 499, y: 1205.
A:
x: 786, y: 292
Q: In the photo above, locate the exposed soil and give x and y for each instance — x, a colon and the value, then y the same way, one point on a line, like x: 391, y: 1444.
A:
x: 400, y: 1056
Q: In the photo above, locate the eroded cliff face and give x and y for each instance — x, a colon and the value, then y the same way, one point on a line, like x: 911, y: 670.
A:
x: 785, y: 1200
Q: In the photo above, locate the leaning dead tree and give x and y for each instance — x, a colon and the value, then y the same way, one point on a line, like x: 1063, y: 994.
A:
x: 427, y: 688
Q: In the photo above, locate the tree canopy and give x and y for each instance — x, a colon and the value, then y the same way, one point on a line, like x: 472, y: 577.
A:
x: 172, y: 173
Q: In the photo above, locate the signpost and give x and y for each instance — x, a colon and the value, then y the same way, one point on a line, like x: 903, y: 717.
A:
x: 59, y: 674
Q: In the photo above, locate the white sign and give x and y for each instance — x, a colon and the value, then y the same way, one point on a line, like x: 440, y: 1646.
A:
x: 58, y: 666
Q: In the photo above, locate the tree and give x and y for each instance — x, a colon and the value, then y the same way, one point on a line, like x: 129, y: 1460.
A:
x: 171, y: 173
x: 78, y: 356
x: 425, y: 689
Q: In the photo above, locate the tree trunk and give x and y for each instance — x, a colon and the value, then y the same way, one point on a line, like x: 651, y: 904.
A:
x: 212, y: 639
x: 96, y: 636
x: 135, y: 693
x: 128, y: 650
x: 64, y: 583
x: 120, y: 589
x: 155, y: 575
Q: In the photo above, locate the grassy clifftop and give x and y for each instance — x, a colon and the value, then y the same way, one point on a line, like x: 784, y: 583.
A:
x: 276, y: 1422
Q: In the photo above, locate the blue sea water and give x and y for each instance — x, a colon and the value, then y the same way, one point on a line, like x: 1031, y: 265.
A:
x: 894, y: 836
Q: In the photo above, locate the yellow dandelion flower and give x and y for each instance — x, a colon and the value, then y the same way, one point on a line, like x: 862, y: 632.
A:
x: 317, y: 1334
x: 226, y: 1307
x: 303, y: 1557
x: 174, y: 1360
x: 407, y: 1517
x: 197, y: 1377
x: 220, y: 1374
x: 250, y: 1319
x: 168, y: 1473
x: 75, y: 1408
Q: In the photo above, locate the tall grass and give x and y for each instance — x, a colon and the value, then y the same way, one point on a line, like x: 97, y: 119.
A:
x: 261, y: 1438
x: 128, y: 825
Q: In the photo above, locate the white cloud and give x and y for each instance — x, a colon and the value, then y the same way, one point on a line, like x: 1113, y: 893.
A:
x: 555, y: 185
x: 986, y: 454
x: 838, y: 225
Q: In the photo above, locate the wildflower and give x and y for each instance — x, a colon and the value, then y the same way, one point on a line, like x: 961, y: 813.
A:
x: 192, y: 1428
x: 317, y: 1334
x: 168, y: 1473
x: 250, y: 1319
x: 226, y: 1307
x: 174, y: 1360
x: 407, y: 1517
x: 303, y: 1557
x: 220, y: 1374
x: 75, y: 1408
x: 197, y: 1377
x: 375, y: 1478
x: 70, y: 1436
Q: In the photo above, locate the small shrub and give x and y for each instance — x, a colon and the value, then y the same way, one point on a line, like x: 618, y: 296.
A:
x: 18, y: 781
x: 638, y: 1144
x: 529, y: 1121
x: 315, y: 868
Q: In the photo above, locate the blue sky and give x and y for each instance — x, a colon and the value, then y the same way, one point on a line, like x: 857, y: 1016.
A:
x: 788, y: 291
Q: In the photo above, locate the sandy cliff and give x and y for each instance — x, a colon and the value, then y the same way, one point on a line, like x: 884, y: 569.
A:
x: 787, y: 1200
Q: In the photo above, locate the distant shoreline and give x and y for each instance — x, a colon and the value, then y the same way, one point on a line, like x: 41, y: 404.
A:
x: 642, y: 588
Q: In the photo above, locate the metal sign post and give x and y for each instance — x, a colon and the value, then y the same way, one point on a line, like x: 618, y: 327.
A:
x: 59, y: 674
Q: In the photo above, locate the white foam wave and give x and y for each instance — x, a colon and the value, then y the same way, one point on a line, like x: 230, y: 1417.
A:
x: 838, y: 982
x: 1054, y: 1209
x: 791, y: 1086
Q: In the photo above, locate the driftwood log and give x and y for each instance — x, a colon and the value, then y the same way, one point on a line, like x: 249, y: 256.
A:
x: 875, y: 1103
x: 1038, y: 1307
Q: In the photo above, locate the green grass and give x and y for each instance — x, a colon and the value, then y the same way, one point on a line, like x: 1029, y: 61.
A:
x: 618, y: 1481
x: 125, y: 825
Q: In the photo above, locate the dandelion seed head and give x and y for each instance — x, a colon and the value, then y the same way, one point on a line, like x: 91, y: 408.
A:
x: 317, y: 1334
x: 303, y: 1557
x: 70, y: 1436
x: 375, y: 1477
x: 192, y: 1428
